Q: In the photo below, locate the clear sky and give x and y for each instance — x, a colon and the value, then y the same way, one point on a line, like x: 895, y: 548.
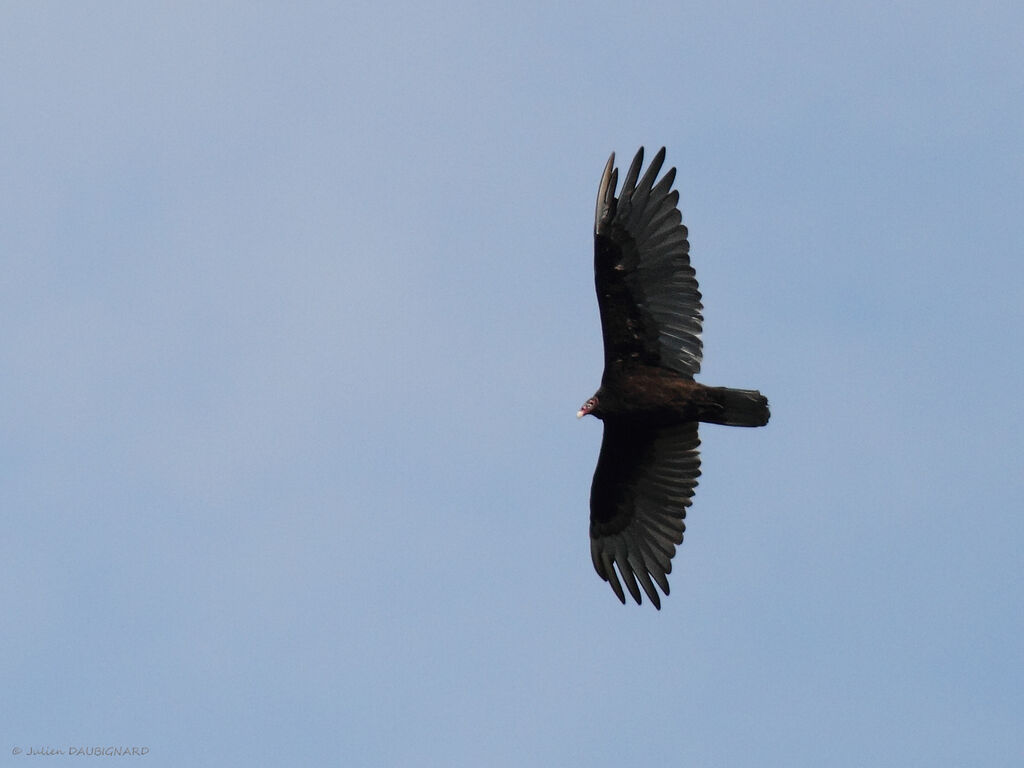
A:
x: 296, y: 310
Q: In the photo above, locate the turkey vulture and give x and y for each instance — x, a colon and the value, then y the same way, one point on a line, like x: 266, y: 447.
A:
x: 648, y: 400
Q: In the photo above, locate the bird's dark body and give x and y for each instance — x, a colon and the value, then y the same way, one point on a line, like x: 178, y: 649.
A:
x: 648, y: 400
x: 647, y: 394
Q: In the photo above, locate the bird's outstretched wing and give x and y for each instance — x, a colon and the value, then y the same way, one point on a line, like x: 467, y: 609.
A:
x: 643, y: 484
x: 646, y: 289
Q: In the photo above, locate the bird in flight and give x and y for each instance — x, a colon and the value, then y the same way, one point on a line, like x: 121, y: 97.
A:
x: 648, y: 400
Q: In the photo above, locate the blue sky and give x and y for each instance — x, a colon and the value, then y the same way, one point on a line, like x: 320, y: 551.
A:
x: 297, y: 310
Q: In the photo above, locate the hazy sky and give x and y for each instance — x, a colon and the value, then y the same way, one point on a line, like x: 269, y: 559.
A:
x: 297, y: 309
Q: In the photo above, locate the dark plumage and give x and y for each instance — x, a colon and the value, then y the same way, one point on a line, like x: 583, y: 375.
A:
x: 648, y: 400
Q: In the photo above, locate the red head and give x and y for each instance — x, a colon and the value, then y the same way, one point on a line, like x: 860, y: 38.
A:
x: 588, y: 407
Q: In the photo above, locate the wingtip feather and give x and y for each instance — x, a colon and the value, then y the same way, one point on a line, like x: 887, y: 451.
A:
x: 629, y: 183
x: 605, y: 192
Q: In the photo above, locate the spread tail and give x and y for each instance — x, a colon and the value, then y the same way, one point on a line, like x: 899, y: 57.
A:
x: 737, y: 407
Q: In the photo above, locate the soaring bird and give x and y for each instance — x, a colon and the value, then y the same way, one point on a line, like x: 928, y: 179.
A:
x: 648, y: 399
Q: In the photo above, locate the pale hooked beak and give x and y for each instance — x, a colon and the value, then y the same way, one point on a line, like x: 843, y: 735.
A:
x: 580, y: 413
